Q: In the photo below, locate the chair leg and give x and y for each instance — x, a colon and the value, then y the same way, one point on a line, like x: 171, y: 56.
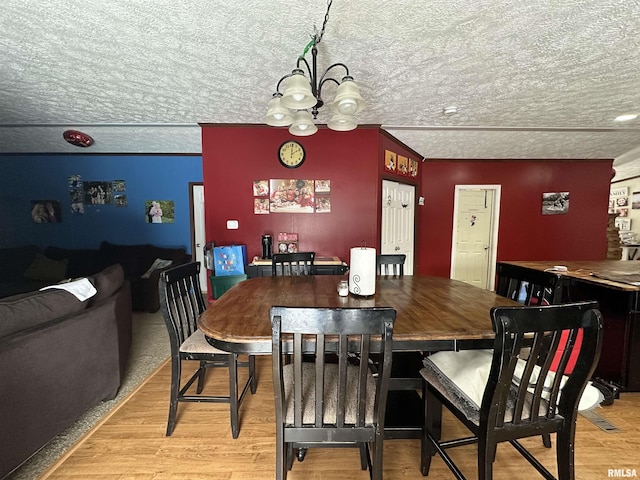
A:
x: 201, y: 372
x: 376, y: 461
x: 364, y: 463
x: 281, y: 456
x: 252, y: 373
x: 173, y: 395
x: 432, y: 425
x: 565, y: 447
x: 546, y: 440
x: 233, y: 394
x: 486, y: 456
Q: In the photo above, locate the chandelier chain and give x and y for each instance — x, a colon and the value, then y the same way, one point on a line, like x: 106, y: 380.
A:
x: 324, y: 24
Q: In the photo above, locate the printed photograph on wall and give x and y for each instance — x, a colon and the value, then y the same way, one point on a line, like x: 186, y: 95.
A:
x: 403, y: 165
x: 623, y: 224
x: 323, y: 204
x: 389, y: 161
x: 635, y: 201
x: 159, y: 211
x: 97, y: 193
x: 261, y: 206
x: 75, y: 182
x: 323, y: 186
x: 120, y: 200
x: 119, y: 185
x: 75, y: 197
x: 622, y: 212
x: 291, y: 196
x: 260, y: 188
x: 555, y: 203
x: 46, y: 211
x: 413, y: 168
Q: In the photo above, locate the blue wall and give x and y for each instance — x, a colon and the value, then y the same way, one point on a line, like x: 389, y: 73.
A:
x: 24, y: 178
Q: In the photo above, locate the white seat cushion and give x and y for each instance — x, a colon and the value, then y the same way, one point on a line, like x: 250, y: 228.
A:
x: 197, y: 343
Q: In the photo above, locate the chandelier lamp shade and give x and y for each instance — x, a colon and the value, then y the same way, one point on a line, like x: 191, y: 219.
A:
x: 298, y: 105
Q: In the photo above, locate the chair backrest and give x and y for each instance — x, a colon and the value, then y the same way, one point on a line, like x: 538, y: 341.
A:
x: 528, y: 286
x: 523, y: 392
x: 181, y: 301
x: 321, y: 331
x: 290, y: 264
x: 390, y: 264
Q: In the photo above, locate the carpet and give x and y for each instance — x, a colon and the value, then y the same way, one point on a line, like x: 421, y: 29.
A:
x: 149, y: 349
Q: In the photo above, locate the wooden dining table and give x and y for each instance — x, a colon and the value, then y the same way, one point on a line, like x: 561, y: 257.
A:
x: 433, y: 313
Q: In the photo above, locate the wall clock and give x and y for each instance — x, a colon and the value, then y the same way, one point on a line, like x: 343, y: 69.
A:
x: 291, y: 154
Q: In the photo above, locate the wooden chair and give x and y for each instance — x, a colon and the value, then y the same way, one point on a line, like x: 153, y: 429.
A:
x: 291, y: 264
x: 181, y: 303
x: 522, y: 397
x: 322, y: 404
x: 527, y: 286
x: 390, y: 264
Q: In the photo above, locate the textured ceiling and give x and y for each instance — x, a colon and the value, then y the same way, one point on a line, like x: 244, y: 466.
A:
x: 531, y: 79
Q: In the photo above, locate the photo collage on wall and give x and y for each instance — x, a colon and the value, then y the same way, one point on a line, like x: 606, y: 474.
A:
x: 619, y: 204
x: 291, y: 196
x: 400, y: 165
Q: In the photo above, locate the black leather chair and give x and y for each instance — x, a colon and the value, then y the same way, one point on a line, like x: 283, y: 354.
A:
x: 390, y: 264
x: 181, y: 303
x: 523, y: 397
x: 289, y: 264
x: 330, y: 404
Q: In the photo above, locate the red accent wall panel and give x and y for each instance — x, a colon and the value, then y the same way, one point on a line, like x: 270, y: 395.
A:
x: 524, y: 233
x: 234, y: 156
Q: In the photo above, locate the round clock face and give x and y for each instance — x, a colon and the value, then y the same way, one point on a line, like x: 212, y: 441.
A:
x: 291, y: 154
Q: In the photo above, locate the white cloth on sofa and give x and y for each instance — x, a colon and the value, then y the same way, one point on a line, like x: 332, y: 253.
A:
x: 469, y: 370
x: 82, y: 288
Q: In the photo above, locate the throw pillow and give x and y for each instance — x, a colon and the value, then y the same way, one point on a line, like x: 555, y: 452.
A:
x: 43, y: 268
x: 157, y: 264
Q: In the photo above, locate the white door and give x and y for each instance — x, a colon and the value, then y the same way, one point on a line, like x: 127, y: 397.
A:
x: 473, y: 255
x: 199, y: 236
x: 398, y: 221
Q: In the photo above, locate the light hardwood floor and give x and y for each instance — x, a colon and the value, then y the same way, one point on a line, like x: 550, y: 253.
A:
x: 131, y: 443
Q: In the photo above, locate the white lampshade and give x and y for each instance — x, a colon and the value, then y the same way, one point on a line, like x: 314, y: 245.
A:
x: 277, y: 115
x: 302, y: 125
x: 342, y: 123
x: 348, y: 100
x: 298, y: 94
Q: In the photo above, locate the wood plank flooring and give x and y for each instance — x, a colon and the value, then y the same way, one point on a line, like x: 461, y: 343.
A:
x: 131, y: 443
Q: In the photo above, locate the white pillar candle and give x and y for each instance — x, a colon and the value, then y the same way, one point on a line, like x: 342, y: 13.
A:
x: 362, y: 271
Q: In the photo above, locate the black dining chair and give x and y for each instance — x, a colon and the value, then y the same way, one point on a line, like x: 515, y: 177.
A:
x: 523, y: 397
x: 181, y: 303
x: 390, y: 264
x: 336, y: 403
x: 290, y: 264
x: 528, y: 286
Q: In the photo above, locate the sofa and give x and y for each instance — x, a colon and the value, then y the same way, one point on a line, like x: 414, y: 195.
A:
x: 60, y: 356
x: 28, y: 268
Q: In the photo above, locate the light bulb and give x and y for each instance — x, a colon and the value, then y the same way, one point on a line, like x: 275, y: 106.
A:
x: 348, y: 106
x: 303, y: 126
x: 298, y: 97
x: 278, y: 116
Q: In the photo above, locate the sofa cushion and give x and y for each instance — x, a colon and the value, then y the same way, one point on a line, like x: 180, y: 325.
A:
x: 43, y: 268
x: 107, y: 282
x: 28, y: 310
x: 82, y: 262
x: 15, y: 261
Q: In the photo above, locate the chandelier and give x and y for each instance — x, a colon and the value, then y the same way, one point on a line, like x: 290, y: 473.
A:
x: 291, y: 107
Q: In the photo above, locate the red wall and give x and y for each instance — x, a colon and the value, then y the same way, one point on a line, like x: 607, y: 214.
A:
x: 524, y: 233
x: 234, y: 156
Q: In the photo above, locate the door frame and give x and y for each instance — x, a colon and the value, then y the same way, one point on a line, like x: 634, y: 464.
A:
x: 413, y: 219
x: 495, y: 222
